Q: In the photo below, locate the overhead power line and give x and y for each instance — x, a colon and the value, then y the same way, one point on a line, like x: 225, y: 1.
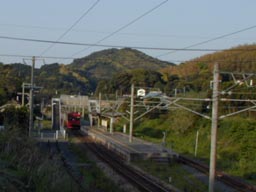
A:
x: 124, y: 26
x: 119, y: 46
x: 148, y: 34
x: 213, y: 39
x: 71, y: 27
x: 40, y: 57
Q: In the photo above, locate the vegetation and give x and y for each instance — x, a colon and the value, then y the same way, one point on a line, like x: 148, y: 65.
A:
x: 235, y: 146
x: 94, y: 178
x: 80, y: 77
x: 16, y: 119
x: 121, y: 82
x: 24, y: 167
x: 113, y: 71
x: 174, y: 174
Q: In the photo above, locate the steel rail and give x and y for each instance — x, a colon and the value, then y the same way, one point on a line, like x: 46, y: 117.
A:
x: 138, y: 179
x: 221, y: 176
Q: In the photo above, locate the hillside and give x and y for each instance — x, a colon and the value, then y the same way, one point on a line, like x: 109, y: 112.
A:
x: 237, y: 59
x: 197, y: 73
x: 104, y: 64
x: 118, y: 65
x: 11, y: 78
x: 79, y: 77
x: 83, y: 75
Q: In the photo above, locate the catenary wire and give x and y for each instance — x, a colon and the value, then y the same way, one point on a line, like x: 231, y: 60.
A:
x: 101, y: 59
x: 163, y: 35
x: 123, y: 27
x: 41, y: 57
x: 119, y: 46
x: 213, y: 39
x: 72, y: 26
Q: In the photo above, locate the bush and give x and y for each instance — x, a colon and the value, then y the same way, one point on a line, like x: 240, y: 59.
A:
x: 16, y: 119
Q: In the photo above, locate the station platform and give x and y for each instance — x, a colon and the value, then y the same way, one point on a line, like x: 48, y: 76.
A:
x: 129, y: 151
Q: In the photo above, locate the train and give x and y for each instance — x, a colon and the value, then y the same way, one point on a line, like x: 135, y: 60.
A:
x: 73, y: 121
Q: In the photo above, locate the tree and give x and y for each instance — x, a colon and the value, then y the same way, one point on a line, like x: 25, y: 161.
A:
x: 16, y: 119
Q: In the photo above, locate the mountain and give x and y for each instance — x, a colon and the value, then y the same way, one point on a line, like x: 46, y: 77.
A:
x: 104, y: 64
x: 79, y: 77
x: 197, y: 73
x: 238, y: 59
x: 121, y: 66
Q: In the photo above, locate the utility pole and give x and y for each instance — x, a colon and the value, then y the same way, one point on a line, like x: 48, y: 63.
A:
x: 196, y: 145
x: 131, y: 113
x: 31, y: 97
x: 99, y: 110
x: 23, y: 97
x: 214, y: 127
x: 24, y: 85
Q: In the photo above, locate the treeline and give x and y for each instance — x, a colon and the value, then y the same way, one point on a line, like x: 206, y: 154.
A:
x: 114, y: 70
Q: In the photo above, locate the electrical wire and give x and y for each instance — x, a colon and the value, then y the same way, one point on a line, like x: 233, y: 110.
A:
x: 161, y: 35
x: 220, y: 59
x: 71, y: 27
x: 127, y: 59
x: 119, y: 46
x: 213, y: 39
x: 41, y: 57
x: 123, y: 27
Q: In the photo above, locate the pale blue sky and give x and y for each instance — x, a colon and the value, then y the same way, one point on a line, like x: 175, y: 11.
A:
x: 175, y: 24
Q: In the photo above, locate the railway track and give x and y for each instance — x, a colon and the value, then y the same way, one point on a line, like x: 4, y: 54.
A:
x: 70, y: 170
x: 145, y: 183
x: 138, y: 179
x: 223, y: 177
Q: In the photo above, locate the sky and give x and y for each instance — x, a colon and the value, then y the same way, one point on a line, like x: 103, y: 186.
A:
x: 157, y: 26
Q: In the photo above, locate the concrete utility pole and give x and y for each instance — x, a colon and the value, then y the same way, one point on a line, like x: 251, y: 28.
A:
x: 215, y: 102
x: 31, y: 97
x: 99, y: 119
x: 196, y: 145
x: 23, y: 97
x: 131, y: 113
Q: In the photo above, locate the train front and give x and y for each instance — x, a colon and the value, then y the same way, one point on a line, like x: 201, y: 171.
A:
x: 73, y: 121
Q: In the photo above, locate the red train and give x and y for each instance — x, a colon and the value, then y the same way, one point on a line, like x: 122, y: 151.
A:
x: 73, y: 120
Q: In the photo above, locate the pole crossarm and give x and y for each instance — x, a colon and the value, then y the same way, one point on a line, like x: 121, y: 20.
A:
x: 237, y: 73
x: 174, y: 100
x: 190, y: 110
x: 126, y: 118
x: 243, y: 79
x: 170, y: 102
x: 149, y: 110
x: 238, y: 100
x: 237, y: 112
x: 188, y: 99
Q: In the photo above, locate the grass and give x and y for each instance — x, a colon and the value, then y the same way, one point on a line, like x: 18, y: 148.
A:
x: 93, y: 177
x: 235, y: 141
x: 26, y: 168
x: 46, y: 124
x: 180, y: 178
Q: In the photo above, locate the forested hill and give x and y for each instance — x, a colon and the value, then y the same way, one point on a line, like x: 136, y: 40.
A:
x: 237, y: 59
x: 121, y: 66
x: 198, y: 72
x: 79, y: 77
x: 104, y: 64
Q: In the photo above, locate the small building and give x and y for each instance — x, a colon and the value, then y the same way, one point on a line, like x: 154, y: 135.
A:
x: 141, y: 92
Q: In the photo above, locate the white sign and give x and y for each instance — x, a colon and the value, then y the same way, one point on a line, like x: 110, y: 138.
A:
x: 141, y: 92
x: 104, y: 123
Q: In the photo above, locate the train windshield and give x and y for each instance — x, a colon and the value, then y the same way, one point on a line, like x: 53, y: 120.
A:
x: 72, y: 117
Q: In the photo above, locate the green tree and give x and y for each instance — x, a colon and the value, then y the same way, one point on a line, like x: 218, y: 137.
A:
x: 16, y: 119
